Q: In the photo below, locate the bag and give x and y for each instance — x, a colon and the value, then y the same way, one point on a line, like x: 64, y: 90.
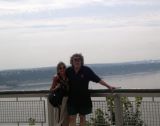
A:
x: 55, y: 98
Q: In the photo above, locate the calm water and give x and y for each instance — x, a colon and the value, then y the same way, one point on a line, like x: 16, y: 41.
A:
x: 150, y: 80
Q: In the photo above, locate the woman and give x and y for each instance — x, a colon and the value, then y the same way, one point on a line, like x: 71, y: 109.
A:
x: 60, y: 81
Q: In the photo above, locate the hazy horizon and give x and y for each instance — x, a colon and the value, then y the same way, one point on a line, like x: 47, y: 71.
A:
x: 142, y: 74
x: 41, y: 33
x: 18, y: 68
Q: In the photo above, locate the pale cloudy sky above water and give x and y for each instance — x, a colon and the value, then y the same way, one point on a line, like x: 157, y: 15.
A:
x: 38, y: 33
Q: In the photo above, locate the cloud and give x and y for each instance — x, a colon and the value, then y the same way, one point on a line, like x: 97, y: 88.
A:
x: 24, y: 14
x: 28, y: 6
x: 97, y: 10
x: 77, y: 23
x: 131, y: 2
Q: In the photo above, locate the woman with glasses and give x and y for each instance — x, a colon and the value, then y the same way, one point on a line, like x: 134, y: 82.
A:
x: 79, y: 99
x: 60, y: 81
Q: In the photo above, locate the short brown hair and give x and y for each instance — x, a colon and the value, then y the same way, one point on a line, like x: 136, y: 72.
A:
x: 77, y: 55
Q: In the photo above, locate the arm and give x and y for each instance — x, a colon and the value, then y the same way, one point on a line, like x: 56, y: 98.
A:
x: 93, y: 77
x: 106, y: 85
x: 54, y: 84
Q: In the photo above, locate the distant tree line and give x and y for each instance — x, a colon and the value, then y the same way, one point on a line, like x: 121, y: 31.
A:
x: 19, y: 76
x: 42, y: 74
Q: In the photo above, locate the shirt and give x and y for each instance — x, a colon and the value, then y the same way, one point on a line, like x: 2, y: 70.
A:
x: 78, y: 85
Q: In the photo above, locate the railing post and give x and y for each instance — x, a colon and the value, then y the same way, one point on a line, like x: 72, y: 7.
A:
x: 50, y: 114
x: 118, y: 111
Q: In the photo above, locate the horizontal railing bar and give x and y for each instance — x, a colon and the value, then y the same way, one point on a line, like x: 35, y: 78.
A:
x: 24, y: 92
x: 94, y: 93
x: 126, y: 91
x: 91, y: 90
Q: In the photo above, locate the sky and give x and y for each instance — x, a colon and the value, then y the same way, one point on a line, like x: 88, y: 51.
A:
x: 40, y: 33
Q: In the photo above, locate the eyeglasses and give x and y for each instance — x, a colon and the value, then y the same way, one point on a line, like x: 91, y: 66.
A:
x: 77, y: 59
x: 62, y: 68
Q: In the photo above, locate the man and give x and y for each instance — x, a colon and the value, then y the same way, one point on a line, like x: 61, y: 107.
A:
x: 79, y: 99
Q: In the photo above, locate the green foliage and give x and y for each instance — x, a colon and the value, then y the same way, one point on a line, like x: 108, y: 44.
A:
x: 131, y: 113
x: 99, y: 119
x: 31, y: 121
x: 110, y: 104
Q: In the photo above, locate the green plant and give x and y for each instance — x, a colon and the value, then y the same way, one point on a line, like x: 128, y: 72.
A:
x: 110, y: 106
x: 99, y: 119
x: 31, y: 121
x: 131, y: 114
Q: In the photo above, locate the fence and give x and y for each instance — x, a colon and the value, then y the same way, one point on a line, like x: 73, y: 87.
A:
x: 123, y: 107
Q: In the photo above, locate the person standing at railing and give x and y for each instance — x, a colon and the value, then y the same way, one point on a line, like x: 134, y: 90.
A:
x: 58, y: 81
x: 79, y: 99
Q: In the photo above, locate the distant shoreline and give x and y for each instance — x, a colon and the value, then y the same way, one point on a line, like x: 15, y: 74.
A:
x: 41, y: 78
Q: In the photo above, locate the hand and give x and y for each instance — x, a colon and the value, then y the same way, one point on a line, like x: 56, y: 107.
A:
x: 53, y: 90
x: 111, y: 87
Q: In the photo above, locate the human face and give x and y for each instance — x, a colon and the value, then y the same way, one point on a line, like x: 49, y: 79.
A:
x: 77, y: 62
x: 61, y: 69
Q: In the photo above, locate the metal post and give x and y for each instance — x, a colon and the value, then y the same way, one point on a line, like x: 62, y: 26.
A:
x: 50, y: 114
x: 118, y: 111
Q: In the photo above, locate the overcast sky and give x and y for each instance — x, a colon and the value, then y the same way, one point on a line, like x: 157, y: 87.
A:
x: 40, y: 33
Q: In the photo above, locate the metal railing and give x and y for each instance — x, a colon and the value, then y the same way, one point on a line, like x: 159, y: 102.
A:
x: 123, y: 107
